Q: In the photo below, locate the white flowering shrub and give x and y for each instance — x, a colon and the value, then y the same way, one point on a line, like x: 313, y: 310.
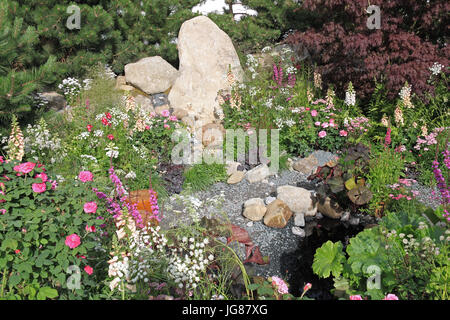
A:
x: 43, y: 145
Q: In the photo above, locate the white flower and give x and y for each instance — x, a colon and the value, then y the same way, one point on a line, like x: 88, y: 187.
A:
x: 436, y: 68
x: 130, y: 175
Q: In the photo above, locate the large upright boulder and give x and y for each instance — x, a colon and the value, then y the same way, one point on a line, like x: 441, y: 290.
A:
x: 205, y: 53
x: 151, y: 75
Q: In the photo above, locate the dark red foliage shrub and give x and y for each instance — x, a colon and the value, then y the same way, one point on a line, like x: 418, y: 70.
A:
x: 411, y: 38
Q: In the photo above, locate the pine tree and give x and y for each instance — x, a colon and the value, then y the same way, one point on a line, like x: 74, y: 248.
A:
x: 18, y: 78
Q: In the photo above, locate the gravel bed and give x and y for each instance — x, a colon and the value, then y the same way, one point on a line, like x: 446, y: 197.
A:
x: 272, y: 242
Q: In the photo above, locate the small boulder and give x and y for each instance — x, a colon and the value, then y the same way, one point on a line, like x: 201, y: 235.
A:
x: 151, y: 75
x: 330, y: 208
x: 236, y: 177
x: 298, y: 199
x: 254, y: 209
x: 306, y: 165
x: 258, y: 173
x: 298, y: 232
x: 299, y: 219
x: 277, y: 215
x: 55, y: 100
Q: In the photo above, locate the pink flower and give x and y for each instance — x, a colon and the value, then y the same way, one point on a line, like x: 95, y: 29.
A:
x: 355, y: 297
x: 165, y: 113
x: 72, y: 241
x: 343, y: 133
x: 322, y: 134
x: 173, y: 118
x: 110, y: 137
x: 88, y: 270
x: 390, y: 296
x: 90, y: 229
x: 280, y: 285
x: 89, y: 127
x: 325, y: 125
x: 43, y: 176
x: 105, y: 121
x: 1, y: 159
x: 147, y: 127
x: 317, y: 123
x: 314, y: 113
x: 307, y: 287
x: 2, y: 211
x: 387, y: 138
x: 39, y: 187
x: 90, y: 207
x: 108, y: 115
x: 25, y: 167
x: 166, y: 126
x: 85, y: 176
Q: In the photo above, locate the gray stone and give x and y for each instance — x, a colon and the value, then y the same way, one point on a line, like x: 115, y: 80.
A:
x: 254, y: 209
x: 55, y: 100
x: 298, y: 199
x: 299, y: 219
x: 268, y: 200
x: 306, y: 165
x: 298, y: 232
x: 144, y: 103
x: 258, y: 173
x: 206, y: 53
x: 151, y: 75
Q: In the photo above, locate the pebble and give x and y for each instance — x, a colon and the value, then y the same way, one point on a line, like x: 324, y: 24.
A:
x: 345, y: 216
x: 319, y: 215
x: 298, y: 232
x: 354, y: 221
x: 299, y: 220
x: 250, y: 224
x: 269, y: 200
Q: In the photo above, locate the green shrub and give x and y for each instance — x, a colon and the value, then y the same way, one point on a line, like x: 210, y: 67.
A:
x: 34, y: 226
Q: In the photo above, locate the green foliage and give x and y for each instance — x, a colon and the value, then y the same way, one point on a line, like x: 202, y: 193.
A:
x: 329, y: 259
x: 386, y: 168
x: 33, y: 229
x: 345, y: 179
x: 201, y: 176
x: 19, y: 76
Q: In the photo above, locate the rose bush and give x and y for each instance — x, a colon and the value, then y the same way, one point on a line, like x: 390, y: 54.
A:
x: 43, y: 235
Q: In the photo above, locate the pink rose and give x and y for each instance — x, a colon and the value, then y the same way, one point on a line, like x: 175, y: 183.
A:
x: 343, y: 133
x: 90, y: 207
x: 317, y: 123
x: 39, y: 187
x: 25, y: 167
x: 1, y: 159
x: 165, y: 113
x: 88, y: 270
x: 166, y: 126
x: 85, y: 176
x: 391, y: 296
x: 322, y: 134
x: 43, y: 176
x: 325, y: 125
x: 355, y: 297
x: 314, y: 113
x: 173, y: 118
x: 73, y: 241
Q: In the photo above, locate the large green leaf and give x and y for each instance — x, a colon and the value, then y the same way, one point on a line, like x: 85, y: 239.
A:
x: 328, y: 259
